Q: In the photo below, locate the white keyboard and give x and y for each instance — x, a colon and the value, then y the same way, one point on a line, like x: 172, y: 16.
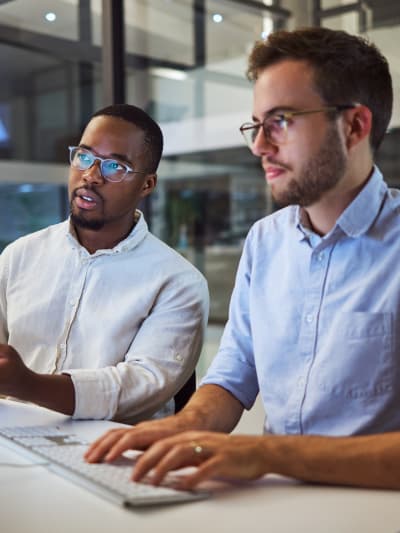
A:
x: 64, y: 453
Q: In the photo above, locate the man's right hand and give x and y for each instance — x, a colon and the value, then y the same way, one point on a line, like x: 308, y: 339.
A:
x: 54, y: 391
x: 116, y: 441
x: 15, y: 376
x: 196, y: 415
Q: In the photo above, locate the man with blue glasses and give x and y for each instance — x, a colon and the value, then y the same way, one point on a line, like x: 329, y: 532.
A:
x: 98, y: 318
x: 314, y: 323
x: 111, y: 169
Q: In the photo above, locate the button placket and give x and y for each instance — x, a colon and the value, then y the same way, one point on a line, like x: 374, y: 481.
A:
x: 307, y: 338
x: 74, y: 298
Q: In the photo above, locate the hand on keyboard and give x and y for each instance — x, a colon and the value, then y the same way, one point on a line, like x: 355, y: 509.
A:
x: 65, y: 452
x: 116, y: 441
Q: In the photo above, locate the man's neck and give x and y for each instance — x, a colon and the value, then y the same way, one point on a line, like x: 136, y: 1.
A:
x: 104, y: 239
x: 323, y: 214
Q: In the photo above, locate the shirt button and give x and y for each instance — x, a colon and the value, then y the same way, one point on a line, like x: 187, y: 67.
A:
x: 178, y: 357
x: 309, y: 318
x: 301, y: 382
x: 320, y: 257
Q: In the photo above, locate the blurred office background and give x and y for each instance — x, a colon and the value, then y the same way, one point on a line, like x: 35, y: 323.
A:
x: 184, y: 62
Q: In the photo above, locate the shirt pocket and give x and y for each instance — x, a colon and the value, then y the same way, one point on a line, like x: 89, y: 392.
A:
x: 355, y: 356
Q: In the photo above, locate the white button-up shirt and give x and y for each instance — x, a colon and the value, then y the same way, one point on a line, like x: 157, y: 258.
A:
x: 126, y: 323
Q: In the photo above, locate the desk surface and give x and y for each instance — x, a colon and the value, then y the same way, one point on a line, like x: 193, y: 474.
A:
x: 36, y: 500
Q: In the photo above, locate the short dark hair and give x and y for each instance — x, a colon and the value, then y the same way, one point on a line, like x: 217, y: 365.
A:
x: 153, y: 136
x: 347, y: 69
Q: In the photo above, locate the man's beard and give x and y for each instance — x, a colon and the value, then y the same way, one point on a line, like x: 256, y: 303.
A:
x: 320, y: 175
x: 78, y: 220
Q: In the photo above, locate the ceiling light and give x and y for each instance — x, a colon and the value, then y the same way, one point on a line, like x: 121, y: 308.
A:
x: 217, y: 18
x: 170, y: 73
x: 50, y: 17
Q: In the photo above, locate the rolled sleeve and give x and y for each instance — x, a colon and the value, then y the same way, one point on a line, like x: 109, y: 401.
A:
x: 235, y: 376
x: 161, y: 358
x: 96, y: 393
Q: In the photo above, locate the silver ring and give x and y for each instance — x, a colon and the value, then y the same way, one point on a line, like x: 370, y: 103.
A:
x: 197, y: 448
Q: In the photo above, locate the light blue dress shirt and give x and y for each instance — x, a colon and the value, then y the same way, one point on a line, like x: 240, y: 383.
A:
x: 314, y: 321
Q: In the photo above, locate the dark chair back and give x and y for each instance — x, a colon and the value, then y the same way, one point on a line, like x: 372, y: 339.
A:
x: 182, y: 397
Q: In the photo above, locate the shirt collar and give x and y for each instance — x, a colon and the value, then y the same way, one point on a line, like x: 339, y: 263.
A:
x: 138, y: 233
x: 358, y: 217
x: 302, y: 224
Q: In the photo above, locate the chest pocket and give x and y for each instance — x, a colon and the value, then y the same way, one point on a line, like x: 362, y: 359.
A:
x: 355, y: 355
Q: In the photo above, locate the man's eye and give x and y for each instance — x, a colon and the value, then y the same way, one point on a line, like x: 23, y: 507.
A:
x: 83, y: 158
x: 114, y: 165
x: 279, y: 121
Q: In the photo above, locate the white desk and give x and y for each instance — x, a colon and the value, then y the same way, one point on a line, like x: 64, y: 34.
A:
x: 35, y: 500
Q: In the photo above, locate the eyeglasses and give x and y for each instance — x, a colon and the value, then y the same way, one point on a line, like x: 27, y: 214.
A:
x: 276, y: 126
x: 110, y: 169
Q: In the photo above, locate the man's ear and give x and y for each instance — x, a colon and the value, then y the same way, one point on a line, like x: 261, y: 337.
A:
x: 358, y: 124
x: 149, y: 184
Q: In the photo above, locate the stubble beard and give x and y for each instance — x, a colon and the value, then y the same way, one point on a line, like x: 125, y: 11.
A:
x: 79, y: 220
x: 321, y: 174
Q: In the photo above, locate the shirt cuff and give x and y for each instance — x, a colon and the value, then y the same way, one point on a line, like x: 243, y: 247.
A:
x: 96, y: 396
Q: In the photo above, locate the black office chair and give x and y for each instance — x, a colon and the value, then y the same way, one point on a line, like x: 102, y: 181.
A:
x: 183, y: 396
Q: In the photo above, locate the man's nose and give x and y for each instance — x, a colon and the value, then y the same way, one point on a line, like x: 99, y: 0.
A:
x: 93, y: 173
x: 262, y: 145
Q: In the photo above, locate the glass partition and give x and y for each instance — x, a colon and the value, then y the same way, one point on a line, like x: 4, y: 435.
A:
x: 210, y: 187
x: 383, y: 29
x: 50, y: 84
x: 27, y: 207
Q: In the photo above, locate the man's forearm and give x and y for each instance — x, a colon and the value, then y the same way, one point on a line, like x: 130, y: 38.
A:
x: 366, y: 461
x: 55, y: 392
x: 212, y: 408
